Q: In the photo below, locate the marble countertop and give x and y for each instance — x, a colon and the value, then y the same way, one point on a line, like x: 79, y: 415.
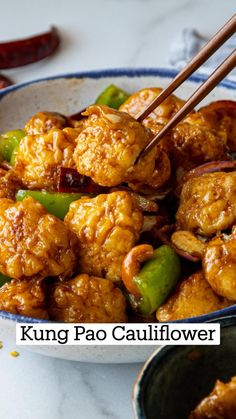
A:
x: 96, y: 34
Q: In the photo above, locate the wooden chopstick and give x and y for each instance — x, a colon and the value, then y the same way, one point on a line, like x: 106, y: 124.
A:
x: 221, y: 71
x: 218, y: 39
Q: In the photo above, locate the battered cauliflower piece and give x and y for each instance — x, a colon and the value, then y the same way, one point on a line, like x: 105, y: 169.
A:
x: 208, y: 203
x: 160, y: 175
x: 219, y: 265
x: 34, y: 243
x: 9, y: 184
x: 222, y: 115
x: 220, y: 404
x: 42, y: 122
x: 195, y: 141
x: 108, y: 146
x: 139, y: 101
x: 87, y: 299
x: 192, y: 297
x: 107, y: 227
x: 39, y: 157
x: 26, y: 298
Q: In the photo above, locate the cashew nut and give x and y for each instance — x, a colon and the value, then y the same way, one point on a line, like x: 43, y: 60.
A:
x: 131, y: 266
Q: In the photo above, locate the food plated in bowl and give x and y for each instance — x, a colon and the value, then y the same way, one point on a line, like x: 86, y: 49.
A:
x: 93, y: 230
x: 189, y: 382
x: 220, y: 402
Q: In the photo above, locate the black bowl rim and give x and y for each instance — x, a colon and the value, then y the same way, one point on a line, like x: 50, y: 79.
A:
x: 157, y: 358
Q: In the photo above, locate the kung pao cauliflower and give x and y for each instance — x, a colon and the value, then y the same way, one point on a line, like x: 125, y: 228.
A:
x: 25, y: 297
x: 87, y: 299
x: 91, y: 232
x: 34, y: 243
x: 107, y: 227
x: 39, y: 157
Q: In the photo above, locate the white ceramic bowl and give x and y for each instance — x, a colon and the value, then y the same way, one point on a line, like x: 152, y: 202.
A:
x: 68, y: 94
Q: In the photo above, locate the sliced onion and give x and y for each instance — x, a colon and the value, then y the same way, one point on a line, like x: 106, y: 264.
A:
x: 211, y: 167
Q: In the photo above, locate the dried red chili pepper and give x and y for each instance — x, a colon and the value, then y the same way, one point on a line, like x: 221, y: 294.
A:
x: 4, y: 81
x: 69, y: 180
x: 26, y: 51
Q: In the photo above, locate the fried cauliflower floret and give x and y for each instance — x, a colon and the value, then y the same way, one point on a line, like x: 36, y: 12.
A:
x: 219, y: 265
x: 195, y: 141
x: 107, y: 227
x: 220, y: 404
x: 39, y: 157
x: 42, y: 122
x: 208, y: 203
x: 192, y: 297
x: 34, y: 243
x: 160, y: 175
x: 139, y: 101
x: 9, y: 184
x: 87, y: 299
x: 108, y: 146
x: 25, y: 297
x: 222, y: 115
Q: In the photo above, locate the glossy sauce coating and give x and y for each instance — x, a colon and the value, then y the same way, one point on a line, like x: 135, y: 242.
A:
x: 192, y: 297
x: 98, y: 232
x: 220, y: 404
x: 194, y: 141
x: 25, y: 297
x: 219, y: 265
x: 107, y: 227
x: 108, y: 146
x: 9, y: 184
x: 222, y: 116
x: 39, y: 157
x: 87, y: 299
x: 139, y: 100
x: 42, y: 122
x: 34, y: 243
x: 208, y: 203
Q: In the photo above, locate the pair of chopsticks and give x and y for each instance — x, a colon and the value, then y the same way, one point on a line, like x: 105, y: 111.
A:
x: 222, y: 70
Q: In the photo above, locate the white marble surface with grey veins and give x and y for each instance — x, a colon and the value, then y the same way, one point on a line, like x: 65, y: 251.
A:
x: 96, y: 34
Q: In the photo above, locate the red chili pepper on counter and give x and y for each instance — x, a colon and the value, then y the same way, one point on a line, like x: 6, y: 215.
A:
x: 26, y: 51
x: 4, y: 82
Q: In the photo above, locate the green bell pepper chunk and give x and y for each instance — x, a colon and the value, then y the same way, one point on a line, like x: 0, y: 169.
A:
x: 14, y: 154
x: 9, y: 141
x: 112, y: 96
x: 56, y: 203
x: 4, y: 279
x: 157, y: 278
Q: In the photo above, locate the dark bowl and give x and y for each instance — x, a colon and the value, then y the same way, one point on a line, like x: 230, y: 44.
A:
x: 176, y: 378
